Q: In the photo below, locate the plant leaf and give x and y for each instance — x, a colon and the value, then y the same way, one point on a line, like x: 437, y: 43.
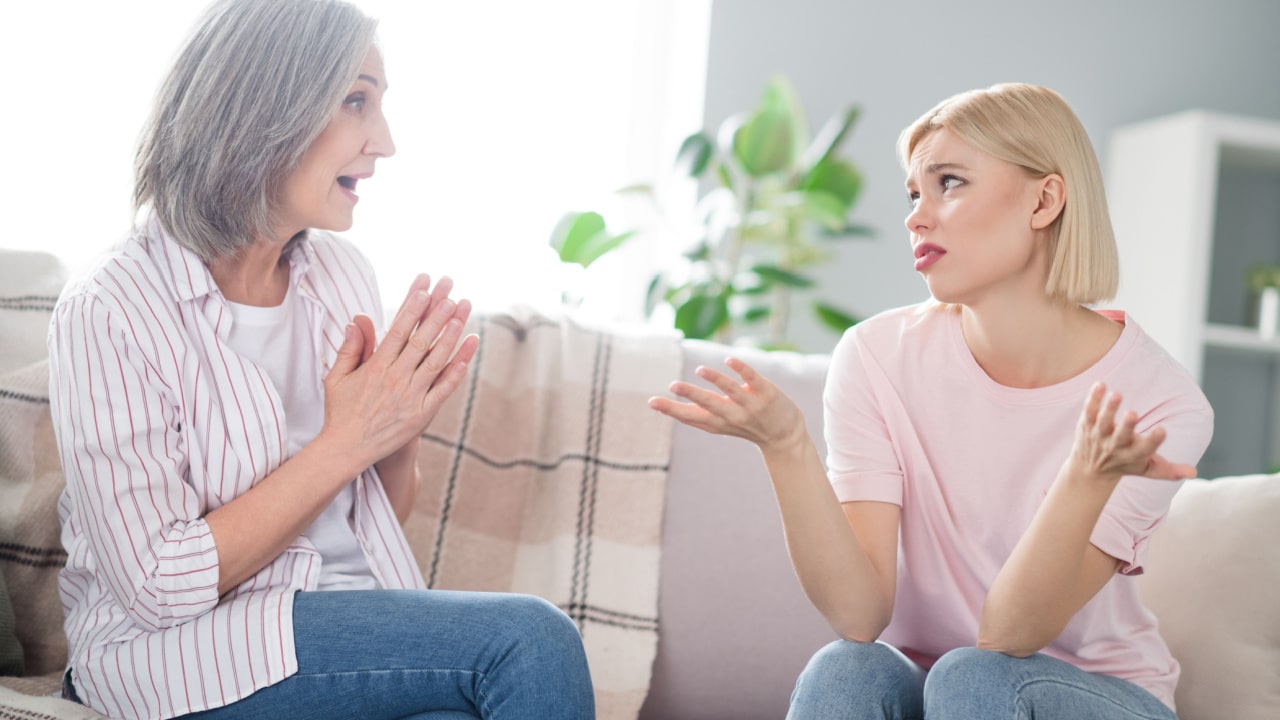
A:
x: 764, y: 143
x: 781, y: 276
x: 850, y: 231
x: 695, y: 154
x: 833, y: 317
x: 582, y: 238
x: 832, y: 135
x: 837, y: 177
x: 823, y: 208
x: 573, y: 231
x: 599, y: 245
x: 702, y: 314
x: 780, y: 96
x: 653, y: 294
x: 756, y: 314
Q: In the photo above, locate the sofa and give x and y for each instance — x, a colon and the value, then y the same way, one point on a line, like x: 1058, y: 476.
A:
x: 733, y: 626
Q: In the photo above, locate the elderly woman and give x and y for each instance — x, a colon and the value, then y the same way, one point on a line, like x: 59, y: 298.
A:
x: 239, y: 451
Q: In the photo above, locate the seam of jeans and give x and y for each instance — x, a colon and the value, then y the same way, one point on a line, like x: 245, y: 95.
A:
x: 1084, y: 688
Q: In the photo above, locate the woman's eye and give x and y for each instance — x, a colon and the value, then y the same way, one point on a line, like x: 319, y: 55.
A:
x: 950, y: 181
x: 913, y: 198
x: 355, y: 102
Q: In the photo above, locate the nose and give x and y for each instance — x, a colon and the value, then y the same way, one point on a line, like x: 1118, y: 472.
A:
x: 380, y: 143
x: 919, y: 220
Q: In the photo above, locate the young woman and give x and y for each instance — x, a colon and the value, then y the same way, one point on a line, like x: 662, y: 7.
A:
x: 998, y: 455
x: 239, y: 450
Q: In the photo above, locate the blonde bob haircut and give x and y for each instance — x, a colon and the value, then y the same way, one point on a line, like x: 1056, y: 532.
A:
x: 254, y: 84
x: 1034, y: 128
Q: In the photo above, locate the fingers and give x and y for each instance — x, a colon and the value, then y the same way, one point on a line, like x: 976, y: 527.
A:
x: 450, y: 379
x: 439, y: 335
x: 687, y: 413
x: 364, y: 324
x: 349, y: 353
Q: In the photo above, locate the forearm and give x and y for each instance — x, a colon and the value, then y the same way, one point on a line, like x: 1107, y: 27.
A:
x: 1050, y: 573
x: 834, y: 569
x: 400, y: 478
x: 254, y: 528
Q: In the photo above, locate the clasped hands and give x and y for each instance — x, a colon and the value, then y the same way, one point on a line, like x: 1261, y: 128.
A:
x: 379, y: 396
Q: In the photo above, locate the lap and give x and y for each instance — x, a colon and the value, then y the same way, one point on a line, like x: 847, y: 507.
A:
x: 425, y: 655
x: 968, y: 681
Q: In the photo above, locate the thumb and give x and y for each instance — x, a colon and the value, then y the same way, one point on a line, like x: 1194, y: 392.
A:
x: 368, y: 337
x: 348, y: 358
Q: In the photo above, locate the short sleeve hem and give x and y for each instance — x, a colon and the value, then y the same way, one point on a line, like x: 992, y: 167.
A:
x: 876, y: 487
x: 1113, y: 538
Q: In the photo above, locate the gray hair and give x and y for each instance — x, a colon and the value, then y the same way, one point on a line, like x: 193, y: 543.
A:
x: 254, y: 84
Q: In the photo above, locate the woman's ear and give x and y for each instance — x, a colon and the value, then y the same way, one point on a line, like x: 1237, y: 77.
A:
x: 1051, y: 198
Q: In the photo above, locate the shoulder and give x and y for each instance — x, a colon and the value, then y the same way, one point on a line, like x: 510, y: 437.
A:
x: 898, y: 330
x: 122, y: 277
x: 1150, y: 377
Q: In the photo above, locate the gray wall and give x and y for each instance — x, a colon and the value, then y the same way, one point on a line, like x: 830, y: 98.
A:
x: 1115, y: 61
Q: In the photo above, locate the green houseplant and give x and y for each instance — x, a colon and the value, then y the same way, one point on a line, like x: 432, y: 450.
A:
x: 775, y: 197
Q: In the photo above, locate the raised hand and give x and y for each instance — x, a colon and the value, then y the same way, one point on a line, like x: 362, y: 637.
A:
x: 754, y: 409
x: 377, y: 399
x: 1109, y: 449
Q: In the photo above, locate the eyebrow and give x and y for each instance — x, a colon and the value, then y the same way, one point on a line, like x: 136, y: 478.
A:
x: 935, y: 168
x: 368, y: 78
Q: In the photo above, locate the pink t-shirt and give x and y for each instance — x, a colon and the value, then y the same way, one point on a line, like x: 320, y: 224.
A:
x: 913, y: 420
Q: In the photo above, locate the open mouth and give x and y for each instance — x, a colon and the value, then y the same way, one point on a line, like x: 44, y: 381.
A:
x: 347, y: 182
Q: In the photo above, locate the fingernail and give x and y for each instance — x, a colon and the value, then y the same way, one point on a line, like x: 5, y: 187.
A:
x: 420, y: 297
x: 350, y: 331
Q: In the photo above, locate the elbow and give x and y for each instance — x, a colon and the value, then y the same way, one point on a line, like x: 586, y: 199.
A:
x: 862, y: 630
x: 1013, y: 638
x: 1011, y: 646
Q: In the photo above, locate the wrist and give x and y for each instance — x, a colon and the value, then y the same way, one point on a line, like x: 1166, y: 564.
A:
x: 347, y: 459
x: 1085, y: 480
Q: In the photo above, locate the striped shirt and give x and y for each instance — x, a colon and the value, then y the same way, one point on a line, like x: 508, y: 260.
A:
x: 159, y: 422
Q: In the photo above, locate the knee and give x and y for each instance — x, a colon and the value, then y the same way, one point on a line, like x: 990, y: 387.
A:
x: 962, y: 669
x: 539, y: 627
x: 873, y: 671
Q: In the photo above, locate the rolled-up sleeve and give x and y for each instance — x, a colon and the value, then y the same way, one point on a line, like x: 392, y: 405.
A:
x: 119, y: 431
x: 1138, y: 506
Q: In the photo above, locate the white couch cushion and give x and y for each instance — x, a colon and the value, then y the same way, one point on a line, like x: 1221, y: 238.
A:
x: 1213, y: 579
x: 29, y: 285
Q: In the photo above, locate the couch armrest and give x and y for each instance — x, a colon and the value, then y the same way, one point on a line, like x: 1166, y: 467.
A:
x: 736, y: 629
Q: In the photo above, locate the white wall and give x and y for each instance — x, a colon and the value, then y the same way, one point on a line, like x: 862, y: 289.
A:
x: 1115, y: 62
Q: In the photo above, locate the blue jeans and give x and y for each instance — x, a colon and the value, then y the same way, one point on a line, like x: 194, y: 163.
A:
x: 865, y: 681
x: 426, y: 655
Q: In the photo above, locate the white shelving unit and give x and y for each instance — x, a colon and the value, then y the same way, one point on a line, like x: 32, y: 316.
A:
x: 1195, y: 201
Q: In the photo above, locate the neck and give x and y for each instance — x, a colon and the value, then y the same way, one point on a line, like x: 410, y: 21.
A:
x: 1037, y: 343
x: 256, y: 275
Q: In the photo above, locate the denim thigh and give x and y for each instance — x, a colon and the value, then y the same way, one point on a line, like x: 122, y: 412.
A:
x: 391, y: 654
x: 969, y: 683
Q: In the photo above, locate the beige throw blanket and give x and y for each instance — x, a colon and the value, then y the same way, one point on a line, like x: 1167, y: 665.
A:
x: 545, y: 474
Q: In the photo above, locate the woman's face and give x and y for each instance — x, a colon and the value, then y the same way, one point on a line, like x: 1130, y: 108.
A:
x: 971, y: 222
x: 321, y: 191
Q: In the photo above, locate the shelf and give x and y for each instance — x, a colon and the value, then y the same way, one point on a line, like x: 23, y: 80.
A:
x: 1238, y: 337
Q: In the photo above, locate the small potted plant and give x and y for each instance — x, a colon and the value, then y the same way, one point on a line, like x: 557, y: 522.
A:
x: 1264, y: 298
x: 775, y: 199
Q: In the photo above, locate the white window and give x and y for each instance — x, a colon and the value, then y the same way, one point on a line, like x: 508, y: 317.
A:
x: 506, y: 114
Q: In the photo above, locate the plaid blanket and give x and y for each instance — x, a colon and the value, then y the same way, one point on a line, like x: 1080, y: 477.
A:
x: 545, y: 473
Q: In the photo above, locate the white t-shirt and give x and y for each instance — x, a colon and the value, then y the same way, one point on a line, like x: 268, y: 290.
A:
x: 279, y: 340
